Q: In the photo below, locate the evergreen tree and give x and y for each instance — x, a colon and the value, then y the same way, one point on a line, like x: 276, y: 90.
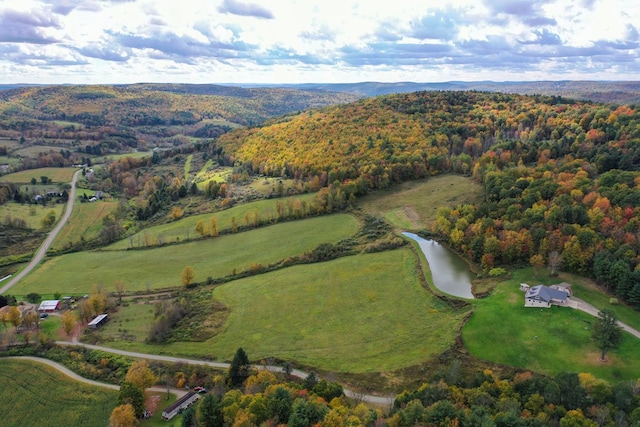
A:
x: 239, y: 368
x: 606, y: 331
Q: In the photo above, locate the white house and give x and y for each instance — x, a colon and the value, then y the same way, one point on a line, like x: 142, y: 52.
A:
x: 183, y: 403
x: 543, y: 296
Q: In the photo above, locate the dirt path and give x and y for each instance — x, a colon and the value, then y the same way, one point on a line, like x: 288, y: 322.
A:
x: 377, y: 400
x: 77, y: 377
x: 49, y: 240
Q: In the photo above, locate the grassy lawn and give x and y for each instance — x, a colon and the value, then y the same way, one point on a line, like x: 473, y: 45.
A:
x: 112, y: 157
x: 543, y: 340
x: 32, y: 214
x: 363, y: 313
x: 413, y: 205
x: 185, y: 228
x: 85, y: 222
x: 187, y: 167
x: 133, y: 319
x: 33, y: 394
x: 56, y: 175
x: 75, y: 273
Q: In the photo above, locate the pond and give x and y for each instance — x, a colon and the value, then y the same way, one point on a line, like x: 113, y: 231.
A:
x: 450, y: 273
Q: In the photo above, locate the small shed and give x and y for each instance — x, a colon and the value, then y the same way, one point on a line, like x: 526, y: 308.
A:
x: 524, y: 287
x: 99, y: 321
x: 49, y: 306
x: 183, y: 403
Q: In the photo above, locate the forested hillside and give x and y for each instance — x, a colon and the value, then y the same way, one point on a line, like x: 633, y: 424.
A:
x: 561, y: 178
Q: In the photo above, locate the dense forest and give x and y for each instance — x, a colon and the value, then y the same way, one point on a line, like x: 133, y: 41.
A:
x: 561, y: 178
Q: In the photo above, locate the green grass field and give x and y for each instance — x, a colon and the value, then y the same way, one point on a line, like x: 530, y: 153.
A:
x: 85, y: 222
x: 357, y: 314
x: 161, y: 267
x: 543, y: 340
x: 34, y: 150
x: 133, y: 319
x: 33, y: 394
x: 56, y: 175
x: 32, y: 214
x: 413, y: 205
x: 185, y: 228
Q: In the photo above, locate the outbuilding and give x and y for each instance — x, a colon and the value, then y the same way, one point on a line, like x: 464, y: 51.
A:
x: 49, y: 306
x: 181, y: 404
x: 98, y: 321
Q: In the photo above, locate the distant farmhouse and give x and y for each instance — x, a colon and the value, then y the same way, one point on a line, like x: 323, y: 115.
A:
x: 49, y: 306
x: 546, y: 296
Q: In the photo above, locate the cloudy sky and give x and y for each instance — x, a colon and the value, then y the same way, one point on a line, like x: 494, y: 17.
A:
x: 279, y: 41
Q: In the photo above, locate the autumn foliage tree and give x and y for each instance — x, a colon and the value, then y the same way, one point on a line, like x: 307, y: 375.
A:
x: 123, y: 416
x: 69, y: 322
x: 187, y: 276
x: 140, y: 375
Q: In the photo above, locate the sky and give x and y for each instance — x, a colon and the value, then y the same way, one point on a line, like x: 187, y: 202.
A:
x: 317, y: 41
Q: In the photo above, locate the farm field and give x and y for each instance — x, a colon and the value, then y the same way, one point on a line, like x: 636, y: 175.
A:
x: 56, y: 175
x: 113, y: 157
x: 215, y: 257
x: 185, y: 228
x: 357, y: 314
x: 33, y: 394
x: 133, y: 319
x: 32, y: 214
x: 413, y: 205
x: 85, y: 223
x: 543, y: 340
x: 34, y: 150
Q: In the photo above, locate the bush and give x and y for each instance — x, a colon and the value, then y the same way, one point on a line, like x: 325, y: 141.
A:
x: 497, y: 272
x: 33, y: 298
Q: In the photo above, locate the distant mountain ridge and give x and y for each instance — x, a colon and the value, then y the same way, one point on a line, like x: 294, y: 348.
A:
x: 619, y: 92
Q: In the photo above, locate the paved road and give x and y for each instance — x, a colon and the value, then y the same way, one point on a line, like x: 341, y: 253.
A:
x: 581, y: 305
x: 77, y: 377
x: 49, y: 240
x: 386, y: 401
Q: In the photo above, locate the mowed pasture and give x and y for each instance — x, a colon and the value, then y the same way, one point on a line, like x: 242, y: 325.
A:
x: 35, y: 150
x: 544, y: 340
x: 85, y: 223
x: 34, y: 394
x: 185, y: 228
x: 413, y: 205
x: 358, y: 314
x: 32, y: 214
x: 56, y: 175
x: 161, y: 267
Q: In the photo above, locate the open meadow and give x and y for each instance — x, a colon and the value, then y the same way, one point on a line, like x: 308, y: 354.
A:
x: 33, y: 394
x: 161, y: 267
x: 55, y: 175
x: 85, y: 223
x: 544, y: 340
x: 32, y: 214
x: 185, y: 228
x: 357, y: 314
x: 413, y: 205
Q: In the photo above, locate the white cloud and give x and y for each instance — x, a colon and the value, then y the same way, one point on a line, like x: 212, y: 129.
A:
x: 117, y: 41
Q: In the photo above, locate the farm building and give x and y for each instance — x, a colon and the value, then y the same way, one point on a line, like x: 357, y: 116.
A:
x: 99, y: 321
x: 543, y: 296
x: 49, y: 306
x: 183, y: 403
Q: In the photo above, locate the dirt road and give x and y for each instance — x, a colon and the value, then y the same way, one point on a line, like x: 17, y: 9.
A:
x: 386, y: 401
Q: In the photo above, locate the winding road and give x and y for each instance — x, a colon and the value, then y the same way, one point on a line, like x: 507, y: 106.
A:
x: 376, y: 400
x: 66, y: 371
x: 42, y: 251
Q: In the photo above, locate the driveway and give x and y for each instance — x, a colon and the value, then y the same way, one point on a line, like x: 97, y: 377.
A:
x: 578, y: 304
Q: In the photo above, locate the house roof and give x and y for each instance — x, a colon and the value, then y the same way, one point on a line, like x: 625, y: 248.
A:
x: 97, y: 319
x: 546, y: 294
x: 49, y: 304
